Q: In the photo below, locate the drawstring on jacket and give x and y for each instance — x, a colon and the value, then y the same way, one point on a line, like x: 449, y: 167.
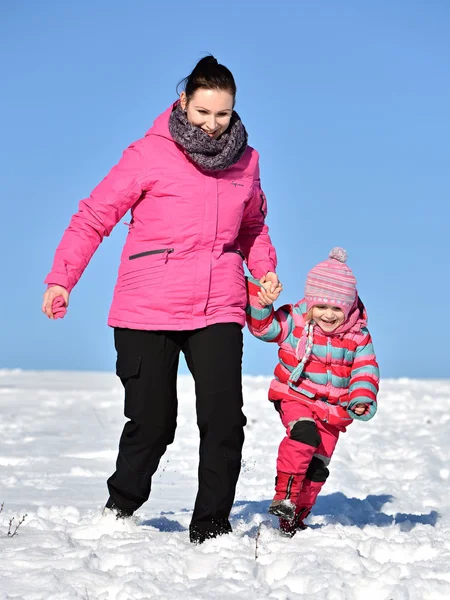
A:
x: 308, y: 335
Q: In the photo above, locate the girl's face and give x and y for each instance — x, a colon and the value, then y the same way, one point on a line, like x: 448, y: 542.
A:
x: 328, y: 317
x: 210, y: 110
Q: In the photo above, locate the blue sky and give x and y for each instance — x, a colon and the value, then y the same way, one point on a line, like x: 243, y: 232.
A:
x: 347, y: 103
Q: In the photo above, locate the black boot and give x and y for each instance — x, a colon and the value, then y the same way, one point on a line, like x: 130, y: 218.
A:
x: 200, y: 532
x: 120, y: 513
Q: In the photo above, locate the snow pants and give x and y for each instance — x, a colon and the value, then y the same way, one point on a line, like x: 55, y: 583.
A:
x: 147, y: 364
x: 303, y: 455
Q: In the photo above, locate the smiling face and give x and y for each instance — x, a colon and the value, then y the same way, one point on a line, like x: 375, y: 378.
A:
x: 210, y: 110
x: 327, y: 317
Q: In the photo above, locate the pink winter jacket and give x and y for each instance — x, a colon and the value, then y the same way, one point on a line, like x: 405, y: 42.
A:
x: 182, y: 262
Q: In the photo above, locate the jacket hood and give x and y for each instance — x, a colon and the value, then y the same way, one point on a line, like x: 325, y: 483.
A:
x: 357, y: 318
x: 161, y: 124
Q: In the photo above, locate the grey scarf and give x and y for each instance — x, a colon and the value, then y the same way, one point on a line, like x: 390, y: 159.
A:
x: 207, y: 153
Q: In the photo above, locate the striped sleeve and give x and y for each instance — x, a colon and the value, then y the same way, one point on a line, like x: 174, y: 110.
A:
x: 264, y: 322
x: 365, y: 376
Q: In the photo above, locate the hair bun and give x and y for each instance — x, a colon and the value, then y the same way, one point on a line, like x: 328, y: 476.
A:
x: 209, y: 74
x: 208, y: 60
x: 338, y: 254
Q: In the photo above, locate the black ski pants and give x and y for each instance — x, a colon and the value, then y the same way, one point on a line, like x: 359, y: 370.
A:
x: 147, y: 364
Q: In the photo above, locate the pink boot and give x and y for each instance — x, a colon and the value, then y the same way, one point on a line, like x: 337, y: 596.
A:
x: 305, y: 501
x: 287, y: 489
x: 290, y: 528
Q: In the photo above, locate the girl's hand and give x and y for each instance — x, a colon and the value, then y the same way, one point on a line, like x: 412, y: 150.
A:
x: 50, y: 295
x: 359, y: 409
x: 271, y: 278
x: 266, y: 296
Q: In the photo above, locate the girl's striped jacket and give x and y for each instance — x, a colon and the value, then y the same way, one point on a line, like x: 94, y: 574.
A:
x: 341, y: 371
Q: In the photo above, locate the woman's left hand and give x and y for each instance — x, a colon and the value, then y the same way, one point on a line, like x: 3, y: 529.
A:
x: 273, y: 278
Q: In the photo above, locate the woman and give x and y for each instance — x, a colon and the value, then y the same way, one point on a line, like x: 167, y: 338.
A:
x: 197, y: 211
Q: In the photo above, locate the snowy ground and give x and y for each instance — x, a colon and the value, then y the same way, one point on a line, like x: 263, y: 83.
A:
x: 380, y: 530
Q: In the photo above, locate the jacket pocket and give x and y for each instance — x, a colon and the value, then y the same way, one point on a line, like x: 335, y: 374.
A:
x: 300, y: 390
x: 150, y: 252
x: 128, y: 368
x: 144, y: 269
x: 306, y: 393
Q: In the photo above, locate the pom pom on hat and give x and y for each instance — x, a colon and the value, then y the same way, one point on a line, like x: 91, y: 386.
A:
x: 338, y: 254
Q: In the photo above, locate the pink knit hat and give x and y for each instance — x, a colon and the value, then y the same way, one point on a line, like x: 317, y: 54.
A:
x: 331, y: 282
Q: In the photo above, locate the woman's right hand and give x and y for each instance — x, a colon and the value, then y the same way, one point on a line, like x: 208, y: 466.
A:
x: 50, y: 295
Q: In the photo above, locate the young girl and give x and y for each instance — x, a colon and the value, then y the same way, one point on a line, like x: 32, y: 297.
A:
x: 327, y: 375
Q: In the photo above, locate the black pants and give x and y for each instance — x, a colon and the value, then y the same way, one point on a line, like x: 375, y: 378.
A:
x: 147, y: 364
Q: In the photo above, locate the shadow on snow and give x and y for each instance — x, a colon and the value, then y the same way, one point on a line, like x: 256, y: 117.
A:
x: 335, y: 508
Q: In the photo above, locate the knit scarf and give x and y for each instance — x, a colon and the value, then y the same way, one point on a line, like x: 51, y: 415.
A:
x: 357, y: 319
x: 206, y: 152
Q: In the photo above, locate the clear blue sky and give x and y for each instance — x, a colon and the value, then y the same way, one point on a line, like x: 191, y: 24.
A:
x: 347, y: 103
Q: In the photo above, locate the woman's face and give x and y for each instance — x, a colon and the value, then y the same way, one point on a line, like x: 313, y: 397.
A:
x: 210, y: 110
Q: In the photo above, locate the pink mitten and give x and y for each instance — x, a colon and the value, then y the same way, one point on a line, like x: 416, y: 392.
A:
x: 59, y: 307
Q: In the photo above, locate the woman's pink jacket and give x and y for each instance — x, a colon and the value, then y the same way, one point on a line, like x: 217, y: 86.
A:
x: 182, y: 263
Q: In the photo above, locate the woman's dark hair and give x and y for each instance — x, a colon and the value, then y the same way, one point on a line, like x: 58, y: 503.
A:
x: 208, y: 74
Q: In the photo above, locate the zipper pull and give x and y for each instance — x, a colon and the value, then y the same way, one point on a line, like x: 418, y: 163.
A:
x: 167, y: 252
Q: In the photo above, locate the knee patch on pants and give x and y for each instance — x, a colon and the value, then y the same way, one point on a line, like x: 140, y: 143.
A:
x: 305, y: 432
x: 317, y: 471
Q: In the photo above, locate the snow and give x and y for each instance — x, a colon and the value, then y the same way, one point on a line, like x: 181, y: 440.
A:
x: 379, y: 530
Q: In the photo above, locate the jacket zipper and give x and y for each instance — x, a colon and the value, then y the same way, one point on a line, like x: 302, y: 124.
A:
x: 329, y: 351
x: 141, y: 254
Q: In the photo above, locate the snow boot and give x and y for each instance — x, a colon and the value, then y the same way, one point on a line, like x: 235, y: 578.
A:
x: 287, y: 489
x: 282, y: 508
x: 120, y: 513
x: 290, y: 527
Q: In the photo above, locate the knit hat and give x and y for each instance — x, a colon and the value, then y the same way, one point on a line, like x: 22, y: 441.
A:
x: 331, y: 282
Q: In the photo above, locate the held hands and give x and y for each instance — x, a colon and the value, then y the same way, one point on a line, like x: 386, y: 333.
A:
x: 271, y: 289
x: 360, y: 409
x: 56, y: 301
